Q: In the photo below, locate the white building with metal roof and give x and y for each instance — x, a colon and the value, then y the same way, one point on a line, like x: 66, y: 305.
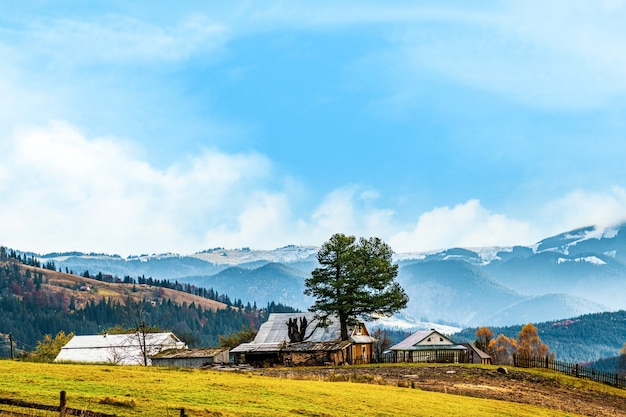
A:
x: 121, y: 349
x: 428, y: 346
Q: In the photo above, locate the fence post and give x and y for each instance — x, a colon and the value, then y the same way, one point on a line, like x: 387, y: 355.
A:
x: 11, y: 344
x: 182, y: 413
x: 62, y: 404
x: 577, y: 374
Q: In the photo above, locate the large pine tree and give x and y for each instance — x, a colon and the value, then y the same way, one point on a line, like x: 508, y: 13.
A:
x: 355, y: 280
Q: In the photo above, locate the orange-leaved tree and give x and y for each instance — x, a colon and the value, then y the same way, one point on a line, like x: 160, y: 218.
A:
x: 484, y: 336
x: 529, y: 344
x: 502, y: 349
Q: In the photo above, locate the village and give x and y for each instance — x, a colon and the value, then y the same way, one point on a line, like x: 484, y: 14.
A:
x: 285, y: 339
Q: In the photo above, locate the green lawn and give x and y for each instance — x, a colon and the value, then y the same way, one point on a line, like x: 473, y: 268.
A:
x: 141, y: 391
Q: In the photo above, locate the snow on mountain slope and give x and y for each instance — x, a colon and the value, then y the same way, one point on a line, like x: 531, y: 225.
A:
x: 286, y: 254
x: 455, y: 285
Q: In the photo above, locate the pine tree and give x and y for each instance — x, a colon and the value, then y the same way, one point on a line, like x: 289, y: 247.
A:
x: 356, y: 280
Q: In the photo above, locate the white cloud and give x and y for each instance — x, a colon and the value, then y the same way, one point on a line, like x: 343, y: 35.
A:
x: 62, y: 191
x: 464, y: 225
x: 581, y: 208
x: 351, y: 211
x: 544, y: 54
x: 115, y: 38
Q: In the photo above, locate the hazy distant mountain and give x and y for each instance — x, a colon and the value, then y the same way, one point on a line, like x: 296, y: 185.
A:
x: 577, y: 272
x: 271, y: 282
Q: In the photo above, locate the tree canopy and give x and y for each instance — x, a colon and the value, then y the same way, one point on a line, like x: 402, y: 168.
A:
x: 355, y: 280
x: 529, y: 344
x: 484, y: 335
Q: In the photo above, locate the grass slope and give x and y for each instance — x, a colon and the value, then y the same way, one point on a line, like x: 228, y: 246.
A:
x: 139, y: 391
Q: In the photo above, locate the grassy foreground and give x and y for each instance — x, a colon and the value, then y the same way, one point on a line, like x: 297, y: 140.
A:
x: 141, y: 391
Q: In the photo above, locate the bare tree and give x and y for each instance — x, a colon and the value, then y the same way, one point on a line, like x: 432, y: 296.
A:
x: 296, y: 332
x: 138, y: 316
x: 382, y: 343
x: 116, y: 355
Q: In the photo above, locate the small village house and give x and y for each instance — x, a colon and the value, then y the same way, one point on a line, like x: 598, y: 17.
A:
x: 302, y: 339
x: 191, y: 358
x: 429, y: 346
x: 478, y: 356
x: 121, y: 349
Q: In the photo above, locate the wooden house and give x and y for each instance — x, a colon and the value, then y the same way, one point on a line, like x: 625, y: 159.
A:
x: 121, y: 349
x: 302, y: 339
x: 429, y: 346
x: 478, y: 356
x: 191, y: 358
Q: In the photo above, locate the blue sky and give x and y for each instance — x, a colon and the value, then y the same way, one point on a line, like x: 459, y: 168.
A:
x: 148, y: 127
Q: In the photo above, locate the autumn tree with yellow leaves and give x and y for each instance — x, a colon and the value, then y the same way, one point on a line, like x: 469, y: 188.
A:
x: 530, y: 345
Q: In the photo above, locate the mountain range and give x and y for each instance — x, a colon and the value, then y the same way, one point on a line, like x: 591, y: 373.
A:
x: 573, y: 273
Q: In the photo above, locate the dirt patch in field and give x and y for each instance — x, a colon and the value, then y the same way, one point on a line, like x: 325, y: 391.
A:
x: 514, y: 386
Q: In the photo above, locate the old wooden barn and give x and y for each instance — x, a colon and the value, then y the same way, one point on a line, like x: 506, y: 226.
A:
x: 302, y: 339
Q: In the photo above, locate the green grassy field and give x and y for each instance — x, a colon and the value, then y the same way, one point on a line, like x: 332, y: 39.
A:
x: 141, y: 391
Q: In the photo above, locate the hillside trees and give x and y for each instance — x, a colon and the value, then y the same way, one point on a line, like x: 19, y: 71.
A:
x: 484, y: 336
x: 355, y: 280
x: 48, y: 348
x: 621, y: 365
x: 502, y: 349
x: 245, y: 335
x: 29, y: 312
x: 529, y: 343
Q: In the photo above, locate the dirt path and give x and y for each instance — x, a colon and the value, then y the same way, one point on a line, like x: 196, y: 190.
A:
x: 514, y: 386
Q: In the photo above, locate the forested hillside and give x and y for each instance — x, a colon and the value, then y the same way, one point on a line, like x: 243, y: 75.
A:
x: 36, y: 301
x: 583, y: 339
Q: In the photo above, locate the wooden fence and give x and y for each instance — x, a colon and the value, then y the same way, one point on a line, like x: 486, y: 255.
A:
x: 572, y: 369
x: 62, y: 408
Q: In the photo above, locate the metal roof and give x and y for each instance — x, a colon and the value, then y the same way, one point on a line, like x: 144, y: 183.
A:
x: 317, y: 346
x: 419, y: 341
x: 189, y: 353
x: 481, y: 354
x: 123, y: 349
x: 273, y: 337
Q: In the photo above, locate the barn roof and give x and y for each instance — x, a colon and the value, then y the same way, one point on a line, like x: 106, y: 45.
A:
x: 419, y: 341
x: 116, y: 348
x: 189, y: 353
x: 273, y: 337
x: 317, y: 346
x: 481, y: 354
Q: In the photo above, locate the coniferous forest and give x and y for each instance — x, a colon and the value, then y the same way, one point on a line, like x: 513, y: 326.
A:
x: 28, y: 312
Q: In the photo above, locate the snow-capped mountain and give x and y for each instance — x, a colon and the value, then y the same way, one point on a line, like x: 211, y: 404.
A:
x: 576, y: 272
